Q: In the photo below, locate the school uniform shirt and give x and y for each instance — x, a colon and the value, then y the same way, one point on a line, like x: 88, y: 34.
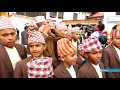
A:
x: 13, y: 55
x: 6, y: 67
x: 87, y: 70
x: 97, y: 68
x: 72, y: 72
x: 61, y: 72
x: 75, y: 43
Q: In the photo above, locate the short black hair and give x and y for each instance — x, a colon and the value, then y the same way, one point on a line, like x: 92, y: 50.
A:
x: 25, y: 27
x: 101, y: 26
x: 103, y: 39
x: 114, y: 27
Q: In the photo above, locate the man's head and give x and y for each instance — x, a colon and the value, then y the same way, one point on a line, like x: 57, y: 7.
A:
x: 32, y: 26
x: 62, y: 28
x: 93, y: 49
x: 40, y: 20
x: 67, y: 52
x: 8, y: 35
x: 36, y: 43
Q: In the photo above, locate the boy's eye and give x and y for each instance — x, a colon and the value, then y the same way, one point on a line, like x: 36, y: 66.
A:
x: 5, y: 35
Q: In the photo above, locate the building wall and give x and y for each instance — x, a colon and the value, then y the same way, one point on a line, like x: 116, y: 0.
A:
x: 110, y: 19
x: 69, y: 15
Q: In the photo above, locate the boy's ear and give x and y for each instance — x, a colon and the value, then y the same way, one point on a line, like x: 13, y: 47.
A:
x: 86, y: 55
x: 62, y: 58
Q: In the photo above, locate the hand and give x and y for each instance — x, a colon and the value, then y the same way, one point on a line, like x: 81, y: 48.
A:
x: 46, y: 28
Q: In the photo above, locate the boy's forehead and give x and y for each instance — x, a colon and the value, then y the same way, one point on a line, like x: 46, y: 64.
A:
x: 95, y: 51
x: 7, y: 30
x: 35, y: 43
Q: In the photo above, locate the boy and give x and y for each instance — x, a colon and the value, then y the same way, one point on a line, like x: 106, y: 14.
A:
x: 67, y: 52
x: 75, y: 32
x: 81, y: 54
x: 111, y: 54
x: 10, y: 53
x: 36, y: 44
x: 91, y: 68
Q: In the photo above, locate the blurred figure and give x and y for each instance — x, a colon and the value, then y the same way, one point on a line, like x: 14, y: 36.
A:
x: 67, y: 52
x: 111, y: 54
x: 10, y: 52
x: 23, y: 35
x: 92, y: 67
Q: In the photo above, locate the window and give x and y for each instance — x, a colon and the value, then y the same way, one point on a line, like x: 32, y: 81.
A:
x: 75, y: 16
x: 53, y: 14
x: 20, y: 13
x: 32, y: 14
x: 117, y: 13
x: 60, y: 15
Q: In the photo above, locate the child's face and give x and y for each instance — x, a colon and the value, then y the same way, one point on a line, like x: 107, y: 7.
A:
x: 94, y: 57
x: 76, y: 35
x: 116, y: 41
x: 36, y: 49
x: 31, y: 27
x: 64, y: 32
x: 8, y: 37
x: 70, y: 59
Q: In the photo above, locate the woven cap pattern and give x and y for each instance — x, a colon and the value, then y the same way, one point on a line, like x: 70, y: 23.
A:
x: 5, y: 23
x: 65, y: 47
x: 35, y: 36
x: 91, y: 45
x: 40, y: 68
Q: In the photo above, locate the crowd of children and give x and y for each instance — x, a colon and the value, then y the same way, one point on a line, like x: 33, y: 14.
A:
x: 53, y: 50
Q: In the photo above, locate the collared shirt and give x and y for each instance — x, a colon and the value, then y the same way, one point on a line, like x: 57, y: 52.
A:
x: 97, y: 68
x: 72, y: 72
x: 117, y: 50
x: 74, y: 43
x: 13, y: 55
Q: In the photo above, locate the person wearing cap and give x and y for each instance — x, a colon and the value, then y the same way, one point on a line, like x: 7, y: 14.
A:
x: 92, y: 67
x: 40, y: 21
x: 31, y: 28
x: 111, y: 54
x: 10, y: 52
x: 37, y: 46
x: 60, y: 31
x: 45, y: 29
x: 67, y: 52
x: 81, y: 54
x: 75, y: 32
x: 62, y: 27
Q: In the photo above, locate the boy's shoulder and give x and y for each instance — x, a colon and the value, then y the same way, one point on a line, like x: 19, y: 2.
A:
x: 24, y: 61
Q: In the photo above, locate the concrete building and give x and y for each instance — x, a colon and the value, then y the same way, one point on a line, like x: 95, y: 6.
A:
x: 110, y: 19
x: 67, y: 15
